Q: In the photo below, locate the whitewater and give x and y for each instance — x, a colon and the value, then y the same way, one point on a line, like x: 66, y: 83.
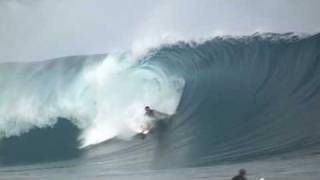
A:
x: 235, y: 102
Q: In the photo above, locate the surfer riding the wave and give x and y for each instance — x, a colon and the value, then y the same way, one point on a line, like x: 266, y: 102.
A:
x: 155, y: 116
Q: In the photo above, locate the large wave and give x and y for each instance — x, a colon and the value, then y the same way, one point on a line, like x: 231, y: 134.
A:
x: 104, y: 95
x: 234, y: 98
x: 247, y: 97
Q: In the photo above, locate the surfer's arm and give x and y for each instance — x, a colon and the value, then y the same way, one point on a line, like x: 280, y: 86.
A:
x: 161, y: 115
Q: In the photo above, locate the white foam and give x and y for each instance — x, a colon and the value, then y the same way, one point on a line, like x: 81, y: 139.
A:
x: 105, y: 99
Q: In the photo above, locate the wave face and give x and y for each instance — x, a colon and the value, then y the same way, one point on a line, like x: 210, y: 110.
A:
x: 233, y: 99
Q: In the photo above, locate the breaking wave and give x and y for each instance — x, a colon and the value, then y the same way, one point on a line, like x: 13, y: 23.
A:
x: 233, y: 99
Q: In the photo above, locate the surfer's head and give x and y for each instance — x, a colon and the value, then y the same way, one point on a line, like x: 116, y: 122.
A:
x: 147, y: 108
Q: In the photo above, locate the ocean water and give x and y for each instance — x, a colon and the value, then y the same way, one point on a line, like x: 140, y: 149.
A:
x: 235, y: 102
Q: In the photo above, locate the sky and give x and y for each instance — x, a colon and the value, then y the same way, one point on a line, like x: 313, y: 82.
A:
x: 34, y: 30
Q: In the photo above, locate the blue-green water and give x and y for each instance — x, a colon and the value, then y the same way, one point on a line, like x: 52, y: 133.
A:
x: 248, y: 102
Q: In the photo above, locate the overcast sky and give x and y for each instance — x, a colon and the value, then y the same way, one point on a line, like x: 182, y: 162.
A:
x: 32, y: 30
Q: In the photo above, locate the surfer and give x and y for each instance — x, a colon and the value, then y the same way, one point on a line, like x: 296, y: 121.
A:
x: 241, y: 175
x: 150, y: 124
x: 155, y: 114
